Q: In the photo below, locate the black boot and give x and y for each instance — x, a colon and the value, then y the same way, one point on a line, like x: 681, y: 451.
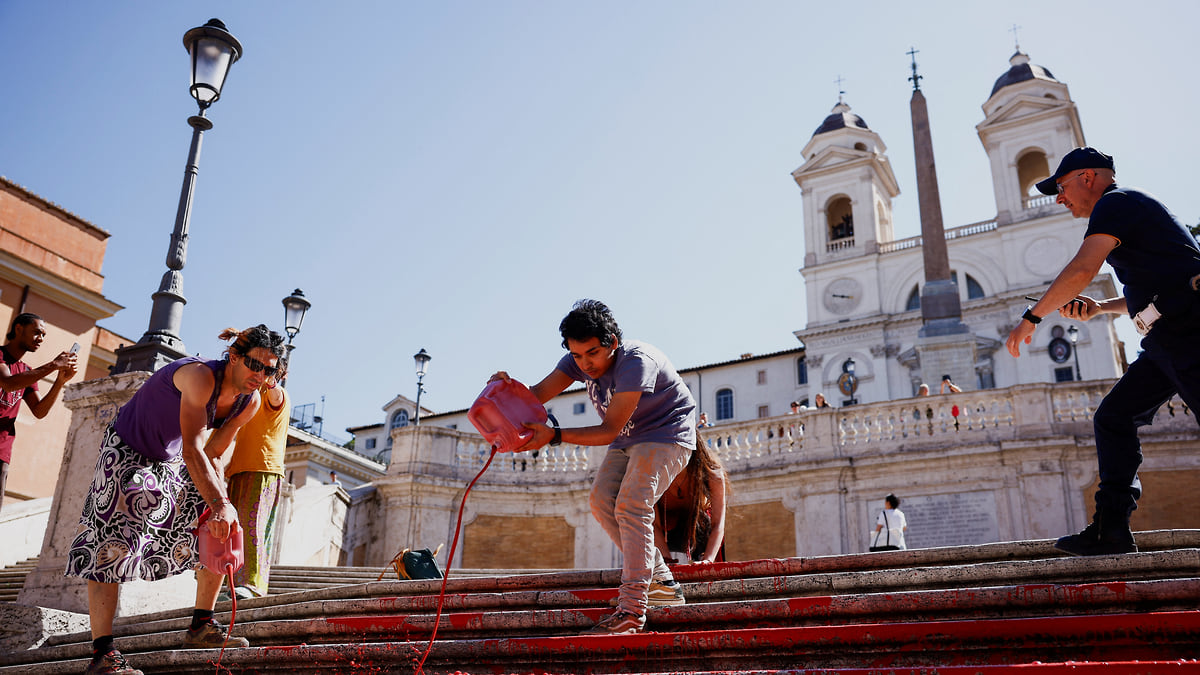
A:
x: 1106, y: 535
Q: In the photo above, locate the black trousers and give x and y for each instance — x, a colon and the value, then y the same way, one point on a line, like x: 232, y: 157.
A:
x: 1169, y: 364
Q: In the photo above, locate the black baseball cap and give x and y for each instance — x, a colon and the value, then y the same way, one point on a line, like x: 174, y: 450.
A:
x: 1079, y: 158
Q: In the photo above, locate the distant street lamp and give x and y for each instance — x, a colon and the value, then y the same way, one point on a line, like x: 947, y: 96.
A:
x: 1073, y: 333
x: 213, y: 50
x: 421, y: 359
x: 295, y: 306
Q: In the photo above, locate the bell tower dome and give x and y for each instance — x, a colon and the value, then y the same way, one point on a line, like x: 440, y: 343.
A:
x: 1029, y: 123
x: 847, y: 186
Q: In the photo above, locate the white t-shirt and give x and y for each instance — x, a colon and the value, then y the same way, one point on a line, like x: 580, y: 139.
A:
x: 894, y: 524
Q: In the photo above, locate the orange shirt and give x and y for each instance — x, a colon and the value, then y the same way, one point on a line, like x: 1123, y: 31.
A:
x: 261, y: 443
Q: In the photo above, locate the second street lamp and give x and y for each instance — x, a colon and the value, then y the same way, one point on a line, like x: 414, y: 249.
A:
x: 421, y: 359
x: 213, y: 50
x: 295, y: 306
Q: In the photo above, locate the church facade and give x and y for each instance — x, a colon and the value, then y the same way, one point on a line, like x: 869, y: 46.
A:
x: 864, y: 286
x: 1010, y: 457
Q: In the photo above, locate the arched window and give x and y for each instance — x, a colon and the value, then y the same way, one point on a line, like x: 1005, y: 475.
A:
x: 914, y: 299
x: 841, y: 219
x: 724, y: 404
x: 974, y: 290
x: 399, y: 419
x: 801, y: 371
x: 1032, y: 167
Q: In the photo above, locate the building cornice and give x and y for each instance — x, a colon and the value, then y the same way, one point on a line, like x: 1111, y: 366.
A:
x: 67, y: 293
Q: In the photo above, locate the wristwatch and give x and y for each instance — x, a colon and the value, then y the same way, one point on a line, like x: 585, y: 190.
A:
x: 557, y: 440
x: 1030, y: 317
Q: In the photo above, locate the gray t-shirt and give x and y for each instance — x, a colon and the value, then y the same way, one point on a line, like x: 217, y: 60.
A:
x: 666, y: 411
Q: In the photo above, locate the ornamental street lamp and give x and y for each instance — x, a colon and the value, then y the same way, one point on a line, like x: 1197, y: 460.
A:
x: 213, y: 50
x: 421, y: 359
x: 295, y: 306
x: 1073, y: 333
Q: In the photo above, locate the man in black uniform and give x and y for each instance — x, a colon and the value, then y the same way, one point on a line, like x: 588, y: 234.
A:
x: 1157, y: 261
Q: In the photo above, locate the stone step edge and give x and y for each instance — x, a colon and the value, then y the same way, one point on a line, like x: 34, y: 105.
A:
x: 921, y: 646
x: 844, y: 610
x: 474, y: 593
x: 1149, y: 540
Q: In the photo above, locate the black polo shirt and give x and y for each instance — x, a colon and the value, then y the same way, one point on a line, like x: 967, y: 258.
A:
x: 1155, y: 254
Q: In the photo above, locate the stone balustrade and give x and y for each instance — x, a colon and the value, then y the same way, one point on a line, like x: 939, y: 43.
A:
x: 985, y: 416
x: 1020, y: 460
x: 953, y: 233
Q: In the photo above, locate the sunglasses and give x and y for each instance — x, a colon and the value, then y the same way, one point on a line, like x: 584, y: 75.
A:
x: 257, y: 366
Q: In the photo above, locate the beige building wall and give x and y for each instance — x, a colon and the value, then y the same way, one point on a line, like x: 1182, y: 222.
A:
x: 50, y: 262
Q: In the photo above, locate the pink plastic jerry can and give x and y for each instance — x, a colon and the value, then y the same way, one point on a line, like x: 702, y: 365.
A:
x: 500, y: 412
x: 215, y: 554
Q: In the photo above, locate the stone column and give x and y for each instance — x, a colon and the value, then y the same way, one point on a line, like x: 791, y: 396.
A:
x: 93, y: 405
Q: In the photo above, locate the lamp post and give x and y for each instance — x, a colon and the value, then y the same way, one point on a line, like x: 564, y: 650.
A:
x: 421, y: 359
x: 1073, y: 333
x: 295, y: 306
x: 213, y: 50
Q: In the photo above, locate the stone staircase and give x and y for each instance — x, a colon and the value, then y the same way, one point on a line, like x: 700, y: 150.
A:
x: 976, y: 609
x: 12, y: 578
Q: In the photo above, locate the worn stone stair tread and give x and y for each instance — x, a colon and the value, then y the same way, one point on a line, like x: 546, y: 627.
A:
x: 1153, y: 637
x: 1042, y: 600
x: 537, y: 615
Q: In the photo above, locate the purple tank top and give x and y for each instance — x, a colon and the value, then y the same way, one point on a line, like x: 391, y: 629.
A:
x: 149, y: 422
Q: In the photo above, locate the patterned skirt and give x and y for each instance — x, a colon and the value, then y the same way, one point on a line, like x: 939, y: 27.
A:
x: 138, y: 520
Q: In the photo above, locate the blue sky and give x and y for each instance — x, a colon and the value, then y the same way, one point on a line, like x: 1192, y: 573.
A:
x: 454, y: 175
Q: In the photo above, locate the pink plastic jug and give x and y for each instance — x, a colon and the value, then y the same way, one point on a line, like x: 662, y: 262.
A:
x: 215, y: 554
x: 500, y: 411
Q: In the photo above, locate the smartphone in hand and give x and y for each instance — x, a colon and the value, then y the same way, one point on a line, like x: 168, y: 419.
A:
x: 75, y: 348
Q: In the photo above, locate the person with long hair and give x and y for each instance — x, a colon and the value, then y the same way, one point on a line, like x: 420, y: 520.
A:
x: 158, y: 470
x: 690, y: 516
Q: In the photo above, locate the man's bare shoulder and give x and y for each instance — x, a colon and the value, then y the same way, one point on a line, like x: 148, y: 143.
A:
x: 194, y: 377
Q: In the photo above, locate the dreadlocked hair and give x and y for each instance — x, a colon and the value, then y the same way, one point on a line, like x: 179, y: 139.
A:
x: 253, y: 338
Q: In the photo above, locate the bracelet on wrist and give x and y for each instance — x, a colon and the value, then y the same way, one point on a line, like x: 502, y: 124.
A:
x: 1030, y: 317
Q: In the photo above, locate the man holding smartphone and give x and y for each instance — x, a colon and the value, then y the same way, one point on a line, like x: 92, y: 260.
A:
x: 18, y: 382
x: 1155, y: 258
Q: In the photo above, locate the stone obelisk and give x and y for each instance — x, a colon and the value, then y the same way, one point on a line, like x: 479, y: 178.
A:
x: 945, y: 344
